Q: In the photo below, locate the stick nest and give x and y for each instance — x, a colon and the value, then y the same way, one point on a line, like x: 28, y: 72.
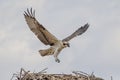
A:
x: 42, y: 75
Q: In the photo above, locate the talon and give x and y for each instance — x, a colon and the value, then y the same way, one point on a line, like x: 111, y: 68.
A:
x: 57, y: 60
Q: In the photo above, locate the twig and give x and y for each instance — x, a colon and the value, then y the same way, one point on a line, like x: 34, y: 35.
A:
x: 43, y: 71
x: 111, y: 78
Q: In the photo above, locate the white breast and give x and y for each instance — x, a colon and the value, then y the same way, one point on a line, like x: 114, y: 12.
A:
x: 59, y: 46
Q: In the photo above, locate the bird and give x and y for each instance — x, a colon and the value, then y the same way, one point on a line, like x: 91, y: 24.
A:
x: 47, y: 38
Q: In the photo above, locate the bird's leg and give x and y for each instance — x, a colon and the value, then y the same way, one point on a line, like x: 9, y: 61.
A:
x: 56, y: 56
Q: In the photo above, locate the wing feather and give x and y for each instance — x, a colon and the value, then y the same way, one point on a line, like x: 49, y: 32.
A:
x: 78, y: 32
x: 39, y: 30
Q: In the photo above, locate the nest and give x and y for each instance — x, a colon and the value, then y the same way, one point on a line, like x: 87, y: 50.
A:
x: 42, y: 75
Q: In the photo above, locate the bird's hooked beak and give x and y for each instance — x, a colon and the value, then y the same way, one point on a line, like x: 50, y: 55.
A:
x: 68, y: 45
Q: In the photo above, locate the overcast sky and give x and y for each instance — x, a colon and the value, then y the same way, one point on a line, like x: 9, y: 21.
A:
x: 97, y: 50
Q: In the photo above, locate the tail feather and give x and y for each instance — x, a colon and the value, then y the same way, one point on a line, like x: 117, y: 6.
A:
x: 46, y: 52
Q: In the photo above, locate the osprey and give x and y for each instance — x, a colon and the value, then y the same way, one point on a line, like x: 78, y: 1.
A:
x: 47, y: 38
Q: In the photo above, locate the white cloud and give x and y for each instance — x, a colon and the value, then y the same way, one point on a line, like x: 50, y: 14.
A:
x: 97, y: 49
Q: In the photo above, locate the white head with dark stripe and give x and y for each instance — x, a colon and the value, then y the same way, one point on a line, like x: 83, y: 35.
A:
x: 66, y: 44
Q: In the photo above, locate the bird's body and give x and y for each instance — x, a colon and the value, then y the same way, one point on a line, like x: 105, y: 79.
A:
x: 53, y: 50
x: 47, y: 38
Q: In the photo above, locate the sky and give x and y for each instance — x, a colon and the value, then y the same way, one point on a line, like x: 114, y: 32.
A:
x: 97, y: 50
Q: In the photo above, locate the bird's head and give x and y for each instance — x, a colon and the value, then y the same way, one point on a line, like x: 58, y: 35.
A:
x: 66, y: 44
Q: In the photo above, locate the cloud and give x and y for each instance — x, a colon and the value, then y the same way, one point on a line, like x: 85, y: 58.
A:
x: 96, y: 50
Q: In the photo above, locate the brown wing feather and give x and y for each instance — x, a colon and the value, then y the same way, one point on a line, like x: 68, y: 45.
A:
x: 78, y: 32
x: 43, y: 34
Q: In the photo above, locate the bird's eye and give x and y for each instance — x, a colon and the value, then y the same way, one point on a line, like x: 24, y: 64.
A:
x: 64, y: 44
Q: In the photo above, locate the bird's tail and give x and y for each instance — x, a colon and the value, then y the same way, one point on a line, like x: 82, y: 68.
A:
x: 46, y: 52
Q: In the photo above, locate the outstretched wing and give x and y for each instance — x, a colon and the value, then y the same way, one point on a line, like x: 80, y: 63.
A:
x: 43, y: 34
x: 78, y: 32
